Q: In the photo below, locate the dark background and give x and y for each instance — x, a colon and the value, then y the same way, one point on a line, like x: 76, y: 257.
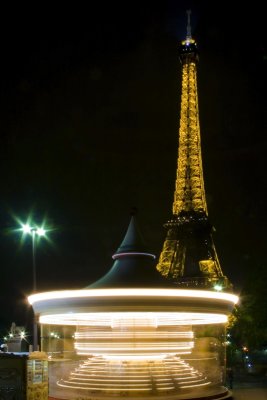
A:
x: 90, y: 101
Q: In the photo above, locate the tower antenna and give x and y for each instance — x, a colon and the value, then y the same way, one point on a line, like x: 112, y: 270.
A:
x: 188, y: 33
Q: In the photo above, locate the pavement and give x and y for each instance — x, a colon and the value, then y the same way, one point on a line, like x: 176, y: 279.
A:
x: 250, y: 388
x: 250, y: 394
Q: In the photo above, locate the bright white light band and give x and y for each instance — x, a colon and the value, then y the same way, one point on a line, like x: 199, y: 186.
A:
x: 107, y: 319
x: 119, y: 255
x: 142, y: 292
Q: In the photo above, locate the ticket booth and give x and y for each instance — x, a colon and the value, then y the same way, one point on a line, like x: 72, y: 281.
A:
x: 24, y: 376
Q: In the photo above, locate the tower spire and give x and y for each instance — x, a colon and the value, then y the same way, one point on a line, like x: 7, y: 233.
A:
x: 188, y: 35
x: 189, y: 257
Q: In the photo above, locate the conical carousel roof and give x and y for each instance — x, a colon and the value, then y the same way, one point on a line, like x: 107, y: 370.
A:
x: 133, y: 242
x: 133, y: 266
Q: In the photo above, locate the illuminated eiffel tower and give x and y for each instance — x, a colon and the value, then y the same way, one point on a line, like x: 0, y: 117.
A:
x: 189, y: 257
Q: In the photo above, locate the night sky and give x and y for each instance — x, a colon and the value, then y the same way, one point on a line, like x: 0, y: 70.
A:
x: 90, y: 101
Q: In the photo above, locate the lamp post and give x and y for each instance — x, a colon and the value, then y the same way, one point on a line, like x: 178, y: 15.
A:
x: 34, y: 232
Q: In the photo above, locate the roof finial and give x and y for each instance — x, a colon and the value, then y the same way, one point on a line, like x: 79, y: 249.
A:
x: 188, y: 34
x: 133, y: 211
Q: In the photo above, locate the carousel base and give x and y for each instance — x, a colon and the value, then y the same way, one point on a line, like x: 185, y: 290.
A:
x: 98, y: 379
x: 225, y: 395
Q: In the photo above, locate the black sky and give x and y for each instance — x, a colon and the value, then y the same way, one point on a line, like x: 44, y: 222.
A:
x: 89, y: 121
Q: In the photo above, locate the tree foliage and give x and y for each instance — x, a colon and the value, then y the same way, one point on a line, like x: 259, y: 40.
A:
x: 248, y: 325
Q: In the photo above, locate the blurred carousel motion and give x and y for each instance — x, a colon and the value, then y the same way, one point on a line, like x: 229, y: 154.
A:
x: 132, y: 334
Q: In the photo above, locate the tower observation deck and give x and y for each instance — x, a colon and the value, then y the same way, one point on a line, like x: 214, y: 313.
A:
x: 189, y: 257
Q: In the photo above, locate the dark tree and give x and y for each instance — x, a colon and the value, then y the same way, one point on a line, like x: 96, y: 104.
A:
x: 249, y: 325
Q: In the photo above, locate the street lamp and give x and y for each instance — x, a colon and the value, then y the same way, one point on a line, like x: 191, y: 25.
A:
x: 34, y: 231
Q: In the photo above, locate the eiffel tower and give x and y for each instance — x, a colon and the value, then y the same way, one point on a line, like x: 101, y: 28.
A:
x: 189, y: 257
